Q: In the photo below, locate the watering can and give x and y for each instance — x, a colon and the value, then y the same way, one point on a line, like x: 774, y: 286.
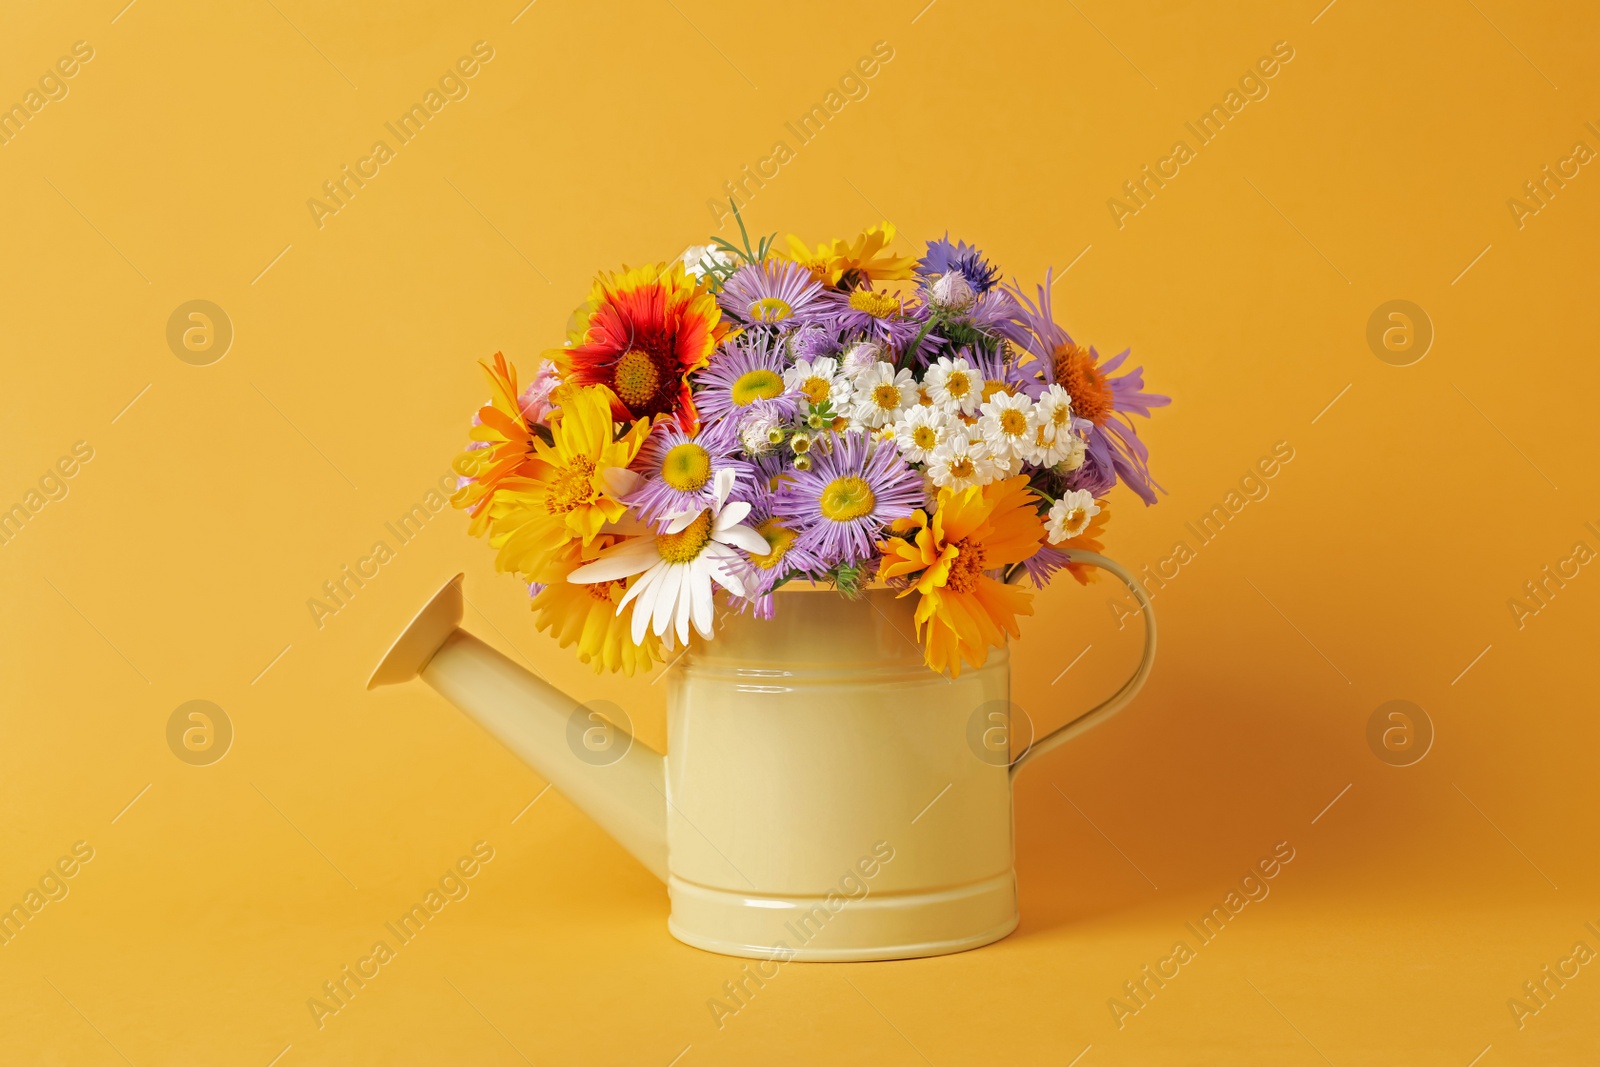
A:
x: 824, y: 796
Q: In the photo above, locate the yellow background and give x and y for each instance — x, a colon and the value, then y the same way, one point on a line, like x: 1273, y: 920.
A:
x: 179, y: 564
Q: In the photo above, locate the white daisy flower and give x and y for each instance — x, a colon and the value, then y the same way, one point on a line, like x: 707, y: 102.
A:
x: 1054, y: 409
x: 678, y: 566
x: 881, y: 395
x: 954, y: 385
x: 959, y: 464
x: 1070, y: 516
x: 1007, y: 424
x: 819, y: 381
x: 920, y: 431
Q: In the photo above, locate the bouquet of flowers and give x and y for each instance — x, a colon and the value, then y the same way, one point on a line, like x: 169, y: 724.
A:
x: 717, y: 426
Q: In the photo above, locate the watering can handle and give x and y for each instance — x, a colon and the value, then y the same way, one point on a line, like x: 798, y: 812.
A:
x: 1118, y: 700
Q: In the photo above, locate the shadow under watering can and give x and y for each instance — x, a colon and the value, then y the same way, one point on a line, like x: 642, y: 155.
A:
x: 824, y: 796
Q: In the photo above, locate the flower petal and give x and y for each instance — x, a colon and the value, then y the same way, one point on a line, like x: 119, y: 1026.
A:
x: 623, y: 561
x: 745, y: 538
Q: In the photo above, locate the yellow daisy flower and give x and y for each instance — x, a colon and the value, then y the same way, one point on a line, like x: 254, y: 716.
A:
x: 846, y: 264
x: 588, y: 616
x: 571, y: 487
x: 964, y: 611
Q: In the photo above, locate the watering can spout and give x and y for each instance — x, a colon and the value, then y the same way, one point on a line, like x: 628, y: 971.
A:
x: 531, y: 717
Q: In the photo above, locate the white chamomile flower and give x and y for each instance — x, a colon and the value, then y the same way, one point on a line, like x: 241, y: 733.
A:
x: 1053, y: 437
x: 881, y: 394
x: 695, y: 259
x: 959, y: 464
x: 1054, y: 410
x: 819, y: 381
x: 859, y: 357
x: 1007, y: 424
x: 1070, y: 515
x: 922, y: 430
x: 1048, y: 447
x: 678, y: 566
x: 954, y: 385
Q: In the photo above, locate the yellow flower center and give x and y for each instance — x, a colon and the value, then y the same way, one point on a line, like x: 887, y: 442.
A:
x: 687, y: 467
x: 961, y: 467
x: 778, y: 538
x: 770, y: 309
x: 992, y: 387
x: 685, y: 545
x: 957, y: 384
x: 846, y: 498
x: 816, y: 389
x: 753, y: 385
x: 572, y: 486
x: 1013, y: 423
x: 635, y: 378
x: 1075, y: 520
x: 878, y: 305
x: 1060, y: 417
x: 886, y: 396
x: 925, y: 437
x: 966, y: 568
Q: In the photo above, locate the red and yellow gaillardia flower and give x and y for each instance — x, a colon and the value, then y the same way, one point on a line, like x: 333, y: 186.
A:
x: 640, y: 334
x: 963, y: 611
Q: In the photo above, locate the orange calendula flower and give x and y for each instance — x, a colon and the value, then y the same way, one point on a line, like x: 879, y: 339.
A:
x: 963, y: 611
x: 846, y: 264
x: 570, y: 488
x: 640, y: 335
x: 506, y: 429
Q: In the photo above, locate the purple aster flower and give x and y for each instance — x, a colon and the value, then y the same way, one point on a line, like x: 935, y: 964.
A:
x: 841, y: 504
x: 1098, y: 473
x: 785, y: 559
x: 1105, y: 400
x: 1043, y: 564
x: 778, y: 293
x: 962, y: 258
x: 995, y: 314
x: 813, y: 342
x: 883, y: 318
x: 680, y: 473
x: 746, y: 370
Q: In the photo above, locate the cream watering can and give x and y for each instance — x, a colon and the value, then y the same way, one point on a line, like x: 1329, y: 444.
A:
x: 825, y: 796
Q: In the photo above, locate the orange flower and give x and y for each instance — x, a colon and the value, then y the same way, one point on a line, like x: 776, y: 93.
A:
x: 963, y: 611
x: 510, y: 436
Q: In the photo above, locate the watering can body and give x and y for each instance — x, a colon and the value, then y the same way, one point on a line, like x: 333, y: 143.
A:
x: 824, y: 796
